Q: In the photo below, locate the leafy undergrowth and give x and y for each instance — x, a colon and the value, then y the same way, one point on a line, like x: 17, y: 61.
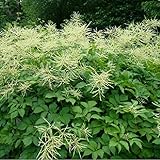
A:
x: 73, y: 93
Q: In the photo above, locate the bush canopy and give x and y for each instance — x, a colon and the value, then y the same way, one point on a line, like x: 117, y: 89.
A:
x: 71, y: 93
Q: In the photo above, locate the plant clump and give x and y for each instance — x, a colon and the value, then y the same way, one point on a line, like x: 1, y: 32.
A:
x: 97, y: 91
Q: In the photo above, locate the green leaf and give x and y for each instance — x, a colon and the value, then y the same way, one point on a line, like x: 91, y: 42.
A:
x: 14, y: 107
x: 156, y: 141
x: 123, y: 98
x: 130, y: 90
x: 45, y: 107
x: 77, y: 109
x: 92, y: 145
x: 96, y: 116
x: 21, y: 112
x: 113, y: 142
x: 100, y: 152
x: 94, y: 155
x: 149, y: 137
x: 88, y: 117
x: 125, y: 144
x: 113, y: 150
x: 106, y: 150
x: 96, y: 130
x: 138, y: 143
x: 121, y: 88
x: 50, y: 95
x: 40, y: 121
x: 92, y: 104
x: 116, y: 95
x: 40, y: 102
x: 119, y: 148
x: 115, y: 126
x: 80, y: 85
x: 122, y: 130
x: 27, y: 141
x: 132, y: 135
x: 22, y: 126
x: 113, y: 115
x: 38, y: 110
x: 111, y: 130
x: 85, y: 111
x: 18, y: 142
x: 28, y: 101
x: 105, y: 138
x: 14, y: 114
x: 113, y: 101
x: 29, y: 152
x: 72, y: 100
x: 66, y: 118
x: 64, y: 110
x: 60, y: 98
x: 95, y: 109
x: 35, y: 140
x: 87, y: 152
x: 44, y: 114
x: 53, y: 107
x: 108, y: 119
x: 84, y: 104
x: 78, y: 115
x: 63, y: 153
x: 30, y: 130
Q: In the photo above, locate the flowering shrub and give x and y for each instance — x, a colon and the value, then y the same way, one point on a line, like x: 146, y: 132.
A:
x: 73, y: 93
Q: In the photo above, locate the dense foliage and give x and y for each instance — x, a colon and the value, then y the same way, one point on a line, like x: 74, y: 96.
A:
x: 152, y: 8
x: 102, y: 13
x: 90, y: 94
x: 10, y: 10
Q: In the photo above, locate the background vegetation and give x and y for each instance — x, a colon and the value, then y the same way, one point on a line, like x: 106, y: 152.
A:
x: 101, y: 13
